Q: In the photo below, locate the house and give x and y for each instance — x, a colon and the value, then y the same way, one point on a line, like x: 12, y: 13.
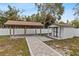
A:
x: 61, y: 31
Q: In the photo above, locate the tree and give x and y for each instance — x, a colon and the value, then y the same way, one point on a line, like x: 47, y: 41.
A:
x: 76, y: 9
x: 12, y: 13
x: 28, y: 18
x: 32, y: 18
x: 51, y: 10
x: 75, y: 23
x: 68, y: 22
x: 49, y: 20
x: 2, y: 18
x: 38, y: 18
x: 2, y: 21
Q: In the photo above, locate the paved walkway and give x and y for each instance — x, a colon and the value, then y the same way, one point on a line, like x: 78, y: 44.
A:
x: 38, y: 48
x: 43, y: 38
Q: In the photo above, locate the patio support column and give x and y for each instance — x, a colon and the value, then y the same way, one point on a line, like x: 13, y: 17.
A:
x: 35, y: 31
x: 40, y: 31
x: 48, y: 31
x: 25, y: 31
x: 10, y: 31
x: 51, y: 32
x: 13, y: 31
x: 60, y: 32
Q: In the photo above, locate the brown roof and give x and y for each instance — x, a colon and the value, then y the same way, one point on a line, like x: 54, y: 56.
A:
x: 22, y: 23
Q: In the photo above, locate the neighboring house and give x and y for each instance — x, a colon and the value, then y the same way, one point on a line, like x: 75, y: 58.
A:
x: 61, y: 31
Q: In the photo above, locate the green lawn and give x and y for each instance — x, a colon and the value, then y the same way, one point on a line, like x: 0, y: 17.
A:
x: 13, y: 47
x: 68, y: 46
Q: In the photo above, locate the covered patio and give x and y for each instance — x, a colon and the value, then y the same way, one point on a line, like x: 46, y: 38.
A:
x: 22, y: 25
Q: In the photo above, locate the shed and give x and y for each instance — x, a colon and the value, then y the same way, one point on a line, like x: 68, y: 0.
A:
x: 22, y: 24
x: 61, y: 31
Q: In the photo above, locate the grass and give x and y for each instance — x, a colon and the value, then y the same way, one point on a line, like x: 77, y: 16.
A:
x: 68, y: 46
x: 13, y: 47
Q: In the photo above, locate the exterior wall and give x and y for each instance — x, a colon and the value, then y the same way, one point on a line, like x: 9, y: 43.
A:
x: 76, y: 30
x: 67, y: 32
x: 60, y: 34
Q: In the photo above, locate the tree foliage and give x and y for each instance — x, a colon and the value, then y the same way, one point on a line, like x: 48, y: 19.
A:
x: 51, y: 10
x: 76, y: 10
x: 11, y: 14
x: 75, y: 23
x: 2, y: 18
x: 47, y: 13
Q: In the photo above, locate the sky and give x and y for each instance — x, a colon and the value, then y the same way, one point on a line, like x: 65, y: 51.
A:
x: 29, y: 9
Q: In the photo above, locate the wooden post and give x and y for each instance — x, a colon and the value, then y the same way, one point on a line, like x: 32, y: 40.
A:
x: 13, y: 31
x: 40, y: 31
x: 56, y: 31
x: 35, y: 31
x: 10, y: 31
x: 51, y: 31
x: 48, y: 31
x: 25, y: 31
x: 60, y: 32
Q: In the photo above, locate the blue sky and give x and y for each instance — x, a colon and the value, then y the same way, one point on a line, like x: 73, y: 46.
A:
x: 29, y: 9
x: 68, y: 11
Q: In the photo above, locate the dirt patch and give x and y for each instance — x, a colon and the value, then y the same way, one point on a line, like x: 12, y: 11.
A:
x: 66, y: 47
x: 13, y: 47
